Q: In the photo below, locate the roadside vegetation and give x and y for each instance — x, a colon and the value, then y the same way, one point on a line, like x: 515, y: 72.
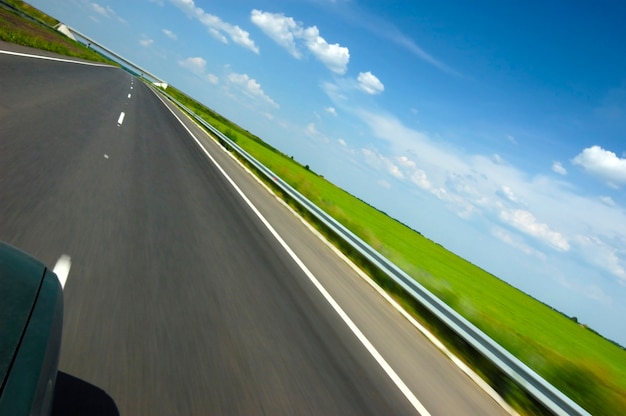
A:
x: 38, y: 32
x: 585, y: 366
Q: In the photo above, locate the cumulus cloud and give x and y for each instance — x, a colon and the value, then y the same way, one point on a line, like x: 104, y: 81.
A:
x: 557, y: 167
x: 170, y: 34
x: 195, y: 64
x: 526, y: 222
x: 369, y: 83
x: 280, y: 28
x: 250, y: 87
x: 216, y: 26
x: 603, y: 164
x: 331, y: 110
x: 292, y: 36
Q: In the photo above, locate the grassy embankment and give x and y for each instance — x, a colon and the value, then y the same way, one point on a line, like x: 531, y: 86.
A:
x: 586, y: 367
x: 582, y: 364
x: 16, y: 29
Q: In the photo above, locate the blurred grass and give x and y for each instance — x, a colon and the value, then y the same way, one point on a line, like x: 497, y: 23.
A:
x: 16, y: 29
x: 585, y: 366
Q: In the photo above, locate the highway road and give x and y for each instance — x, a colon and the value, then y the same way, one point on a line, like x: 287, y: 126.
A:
x: 180, y: 300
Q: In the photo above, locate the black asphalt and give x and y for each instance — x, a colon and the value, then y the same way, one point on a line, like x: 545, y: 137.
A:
x: 178, y: 300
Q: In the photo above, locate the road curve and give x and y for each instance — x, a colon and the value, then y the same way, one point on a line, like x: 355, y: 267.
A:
x: 179, y: 299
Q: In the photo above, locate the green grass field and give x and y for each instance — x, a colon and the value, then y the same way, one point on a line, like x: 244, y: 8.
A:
x: 586, y: 367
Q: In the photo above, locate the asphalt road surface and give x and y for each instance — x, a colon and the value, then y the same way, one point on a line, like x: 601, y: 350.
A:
x: 179, y: 299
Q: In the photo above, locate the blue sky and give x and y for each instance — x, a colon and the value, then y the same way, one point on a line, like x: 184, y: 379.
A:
x: 497, y: 129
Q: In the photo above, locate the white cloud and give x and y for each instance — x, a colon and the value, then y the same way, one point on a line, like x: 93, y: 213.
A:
x: 603, y: 255
x: 250, y: 87
x: 607, y: 200
x: 331, y: 110
x: 369, y: 83
x: 103, y: 11
x: 509, y: 194
x: 216, y: 26
x: 589, y: 291
x: 213, y: 79
x: 498, y: 159
x: 511, y: 139
x: 107, y: 12
x: 311, y: 131
x: 506, y: 237
x: 288, y: 33
x: 526, y: 222
x: 170, y: 34
x: 195, y: 64
x: 378, y: 161
x: 334, y: 56
x: 146, y: 42
x: 406, y: 162
x: 557, y: 167
x: 603, y: 164
x: 283, y: 30
x: 420, y: 179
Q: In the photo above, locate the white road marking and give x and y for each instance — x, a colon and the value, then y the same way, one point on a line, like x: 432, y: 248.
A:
x: 342, y: 314
x: 106, y: 156
x: 128, y: 95
x: 49, y: 58
x: 62, y: 268
x: 131, y: 87
x: 120, y: 120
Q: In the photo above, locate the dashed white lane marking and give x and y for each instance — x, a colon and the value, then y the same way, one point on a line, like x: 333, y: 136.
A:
x: 131, y: 87
x: 128, y: 95
x: 338, y: 309
x: 49, y: 58
x: 62, y: 268
x: 120, y: 120
x: 106, y: 156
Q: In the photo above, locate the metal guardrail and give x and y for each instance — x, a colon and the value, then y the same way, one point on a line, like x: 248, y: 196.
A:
x: 548, y: 395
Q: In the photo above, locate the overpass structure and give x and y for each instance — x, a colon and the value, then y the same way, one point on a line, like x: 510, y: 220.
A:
x: 136, y: 68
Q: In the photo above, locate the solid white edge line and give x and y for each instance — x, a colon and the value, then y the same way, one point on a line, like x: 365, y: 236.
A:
x: 355, y: 330
x: 120, y: 120
x: 62, y: 268
x: 50, y: 58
